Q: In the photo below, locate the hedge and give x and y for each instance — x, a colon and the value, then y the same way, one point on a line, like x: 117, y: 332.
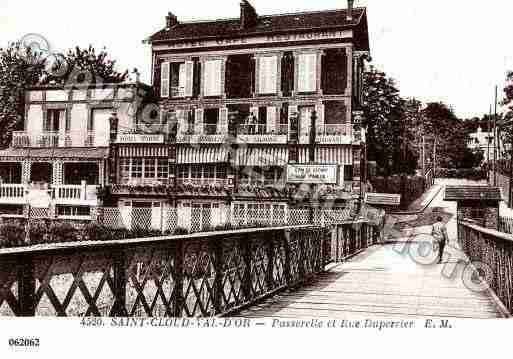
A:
x: 476, y: 174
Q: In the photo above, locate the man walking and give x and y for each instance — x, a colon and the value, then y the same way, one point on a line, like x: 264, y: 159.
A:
x: 439, y: 233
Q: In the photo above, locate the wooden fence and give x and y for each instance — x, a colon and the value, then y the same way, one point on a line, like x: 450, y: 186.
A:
x: 494, y: 249
x: 506, y: 225
x: 197, y: 275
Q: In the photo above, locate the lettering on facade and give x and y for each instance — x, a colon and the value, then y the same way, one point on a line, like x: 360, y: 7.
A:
x: 320, y: 35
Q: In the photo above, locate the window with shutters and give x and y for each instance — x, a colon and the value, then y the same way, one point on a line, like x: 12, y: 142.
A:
x: 307, y: 73
x: 305, y: 119
x: 211, y: 121
x: 267, y: 75
x: 239, y: 76
x: 334, y: 72
x: 164, y: 79
x: 181, y: 79
x: 213, y: 78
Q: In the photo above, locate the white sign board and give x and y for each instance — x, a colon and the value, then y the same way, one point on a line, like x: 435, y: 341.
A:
x: 312, y: 174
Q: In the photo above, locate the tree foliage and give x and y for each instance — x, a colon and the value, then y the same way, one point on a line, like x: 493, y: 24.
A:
x: 84, y: 66
x: 19, y: 68
x: 387, y: 131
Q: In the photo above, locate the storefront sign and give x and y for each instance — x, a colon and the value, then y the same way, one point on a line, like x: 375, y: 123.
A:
x: 312, y: 174
x: 271, y: 39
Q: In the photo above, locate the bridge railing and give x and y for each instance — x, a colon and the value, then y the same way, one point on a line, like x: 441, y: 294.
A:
x: 495, y: 250
x: 198, y: 275
x: 350, y: 238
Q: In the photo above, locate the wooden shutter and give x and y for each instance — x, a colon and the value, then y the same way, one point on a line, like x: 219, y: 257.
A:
x: 307, y: 80
x: 223, y: 120
x: 213, y: 78
x: 181, y: 120
x: 198, y: 121
x: 271, y: 119
x: 267, y: 74
x: 189, y: 78
x: 164, y: 79
x: 320, y: 110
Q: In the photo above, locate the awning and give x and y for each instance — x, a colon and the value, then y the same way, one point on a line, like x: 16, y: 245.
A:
x: 203, y: 154
x: 339, y: 155
x: 143, y: 151
x: 86, y: 153
x: 261, y: 157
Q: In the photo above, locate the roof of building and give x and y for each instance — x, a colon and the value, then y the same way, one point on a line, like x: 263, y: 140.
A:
x: 473, y: 193
x: 383, y: 199
x: 266, y: 24
x: 75, y: 152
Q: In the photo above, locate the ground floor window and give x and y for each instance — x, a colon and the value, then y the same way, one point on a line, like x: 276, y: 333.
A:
x: 73, y: 211
x: 7, y: 209
x: 202, y: 173
x: 262, y: 176
x: 138, y: 168
x: 10, y: 172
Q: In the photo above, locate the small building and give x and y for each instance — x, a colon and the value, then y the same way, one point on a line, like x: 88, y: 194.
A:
x: 477, y: 203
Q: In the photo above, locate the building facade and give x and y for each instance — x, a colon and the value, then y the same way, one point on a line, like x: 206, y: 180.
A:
x: 254, y: 120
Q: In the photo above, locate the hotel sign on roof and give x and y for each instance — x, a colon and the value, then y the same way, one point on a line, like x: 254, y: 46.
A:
x: 257, y: 40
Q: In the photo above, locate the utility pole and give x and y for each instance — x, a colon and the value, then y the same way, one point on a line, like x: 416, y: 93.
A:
x: 423, y: 154
x: 495, y: 140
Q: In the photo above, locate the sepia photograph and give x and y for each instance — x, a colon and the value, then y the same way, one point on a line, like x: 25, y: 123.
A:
x: 193, y: 169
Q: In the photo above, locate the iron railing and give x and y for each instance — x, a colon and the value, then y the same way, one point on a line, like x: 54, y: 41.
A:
x: 495, y: 250
x: 199, y: 275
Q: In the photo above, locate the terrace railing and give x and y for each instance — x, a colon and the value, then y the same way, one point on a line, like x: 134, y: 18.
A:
x: 495, y: 250
x: 199, y: 275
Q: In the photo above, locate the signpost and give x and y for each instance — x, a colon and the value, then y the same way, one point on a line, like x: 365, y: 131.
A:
x: 312, y: 174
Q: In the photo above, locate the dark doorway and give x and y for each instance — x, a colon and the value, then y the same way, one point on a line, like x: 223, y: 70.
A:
x: 41, y: 172
x: 75, y: 173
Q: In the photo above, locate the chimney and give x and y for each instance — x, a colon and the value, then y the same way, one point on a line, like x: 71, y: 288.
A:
x: 350, y: 10
x: 248, y: 15
x: 171, y: 20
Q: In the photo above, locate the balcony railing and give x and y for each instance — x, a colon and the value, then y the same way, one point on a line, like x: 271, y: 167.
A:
x: 202, y: 181
x: 53, y: 139
x: 201, y: 133
x: 12, y: 193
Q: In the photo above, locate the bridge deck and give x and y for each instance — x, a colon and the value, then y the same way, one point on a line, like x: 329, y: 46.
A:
x: 381, y: 282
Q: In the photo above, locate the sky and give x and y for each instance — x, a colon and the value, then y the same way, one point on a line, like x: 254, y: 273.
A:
x: 454, y: 51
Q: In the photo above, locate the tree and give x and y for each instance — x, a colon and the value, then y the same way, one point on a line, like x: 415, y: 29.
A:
x: 19, y: 68
x: 450, y: 135
x: 84, y: 66
x: 387, y: 132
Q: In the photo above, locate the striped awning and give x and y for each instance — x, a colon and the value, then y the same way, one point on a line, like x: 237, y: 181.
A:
x: 203, y: 154
x: 143, y: 151
x: 336, y: 155
x: 257, y: 156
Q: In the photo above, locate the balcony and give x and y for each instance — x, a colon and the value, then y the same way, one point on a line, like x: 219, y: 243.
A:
x: 12, y: 194
x: 339, y: 134
x: 202, y: 133
x: 53, y: 139
x: 76, y: 194
x: 41, y: 196
x: 260, y: 133
x: 203, y: 182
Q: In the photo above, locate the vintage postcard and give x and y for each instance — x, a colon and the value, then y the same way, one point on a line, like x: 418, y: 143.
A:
x: 308, y: 175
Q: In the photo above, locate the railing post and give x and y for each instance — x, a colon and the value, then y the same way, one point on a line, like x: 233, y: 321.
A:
x: 271, y: 242
x: 245, y: 245
x: 179, y: 276
x: 120, y: 284
x: 286, y: 247
x: 26, y: 287
x: 216, y: 249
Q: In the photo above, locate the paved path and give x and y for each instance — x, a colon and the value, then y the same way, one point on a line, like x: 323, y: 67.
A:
x: 394, y: 280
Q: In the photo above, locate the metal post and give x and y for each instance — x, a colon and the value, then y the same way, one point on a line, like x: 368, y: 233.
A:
x: 495, y: 138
